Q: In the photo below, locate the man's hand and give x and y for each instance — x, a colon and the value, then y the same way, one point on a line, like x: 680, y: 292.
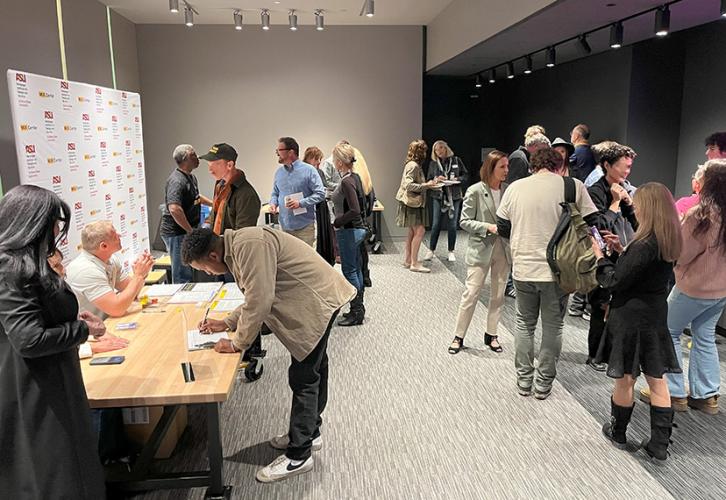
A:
x: 273, y: 209
x: 212, y: 325
x: 618, y: 192
x: 492, y: 228
x: 224, y: 345
x: 142, y: 265
x: 96, y: 328
x: 108, y: 342
x: 596, y: 248
x: 292, y: 204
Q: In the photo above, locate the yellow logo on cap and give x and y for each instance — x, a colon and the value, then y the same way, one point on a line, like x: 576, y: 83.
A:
x: 213, y: 150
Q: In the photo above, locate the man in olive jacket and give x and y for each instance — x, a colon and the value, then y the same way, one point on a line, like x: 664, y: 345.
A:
x: 298, y: 295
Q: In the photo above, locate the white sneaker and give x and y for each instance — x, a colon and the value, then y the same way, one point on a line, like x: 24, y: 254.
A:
x: 452, y: 257
x: 282, y: 468
x: 283, y: 440
x: 429, y: 255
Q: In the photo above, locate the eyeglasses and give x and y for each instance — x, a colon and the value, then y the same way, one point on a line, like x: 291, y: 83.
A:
x: 284, y: 149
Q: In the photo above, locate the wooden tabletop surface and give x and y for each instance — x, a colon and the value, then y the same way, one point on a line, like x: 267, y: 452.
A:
x: 152, y: 375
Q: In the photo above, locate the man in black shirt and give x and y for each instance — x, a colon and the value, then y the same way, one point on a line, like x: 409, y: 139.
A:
x: 182, y: 209
x: 582, y: 161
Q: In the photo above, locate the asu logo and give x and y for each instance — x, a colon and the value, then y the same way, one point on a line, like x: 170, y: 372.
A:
x: 134, y: 222
x: 85, y: 117
x: 82, y: 99
x: 20, y: 77
x: 126, y: 129
x: 30, y: 149
x: 101, y: 129
x: 64, y: 85
x: 88, y: 157
x: 106, y: 181
x: 68, y: 128
x: 24, y: 127
x: 120, y: 204
x: 130, y: 176
x: 56, y: 179
x: 138, y: 151
x: 95, y: 212
x: 112, y: 103
x: 52, y: 160
x: 75, y: 188
x: 43, y: 93
x: 48, y: 115
x: 78, y: 247
x: 116, y: 153
x: 79, y: 205
x: 71, y: 146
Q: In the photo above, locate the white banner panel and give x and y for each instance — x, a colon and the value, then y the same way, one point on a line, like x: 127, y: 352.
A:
x: 84, y: 143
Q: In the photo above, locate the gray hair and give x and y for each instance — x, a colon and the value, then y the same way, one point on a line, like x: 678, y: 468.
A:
x: 537, y: 139
x: 94, y: 234
x: 182, y: 152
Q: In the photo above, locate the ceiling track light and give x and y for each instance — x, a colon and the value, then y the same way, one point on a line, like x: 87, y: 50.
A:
x: 319, y: 20
x: 492, y: 75
x: 237, y: 20
x: 584, y: 45
x: 265, y: 19
x: 188, y: 16
x: 528, y: 65
x: 477, y: 82
x: 293, y: 20
x: 662, y: 20
x: 616, y: 35
x: 510, y: 70
x: 723, y: 8
x: 174, y: 6
x: 551, y: 57
x: 369, y: 8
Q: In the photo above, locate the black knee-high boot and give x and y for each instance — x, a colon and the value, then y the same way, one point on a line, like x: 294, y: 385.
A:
x: 615, y: 429
x: 661, y: 426
x: 357, y: 311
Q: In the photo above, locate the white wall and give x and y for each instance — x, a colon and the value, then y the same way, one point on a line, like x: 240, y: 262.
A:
x: 212, y: 84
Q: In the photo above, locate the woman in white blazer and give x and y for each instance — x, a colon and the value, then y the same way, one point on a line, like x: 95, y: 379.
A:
x: 486, y: 251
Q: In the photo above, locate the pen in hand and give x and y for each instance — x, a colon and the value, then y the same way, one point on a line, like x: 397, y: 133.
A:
x: 203, y: 325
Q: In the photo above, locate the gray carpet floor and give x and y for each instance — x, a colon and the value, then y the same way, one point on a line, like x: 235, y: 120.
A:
x: 407, y: 420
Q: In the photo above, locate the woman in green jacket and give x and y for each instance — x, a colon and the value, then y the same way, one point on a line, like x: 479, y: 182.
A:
x: 486, y: 251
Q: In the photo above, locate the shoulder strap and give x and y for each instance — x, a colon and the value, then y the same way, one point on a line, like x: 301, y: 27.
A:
x: 569, y: 190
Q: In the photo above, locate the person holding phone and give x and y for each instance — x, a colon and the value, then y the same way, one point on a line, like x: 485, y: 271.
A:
x: 637, y: 339
x: 48, y: 447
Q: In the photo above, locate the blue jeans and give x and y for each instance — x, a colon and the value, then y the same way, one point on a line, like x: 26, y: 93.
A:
x: 450, y: 222
x: 179, y: 272
x: 349, y: 242
x: 704, y: 375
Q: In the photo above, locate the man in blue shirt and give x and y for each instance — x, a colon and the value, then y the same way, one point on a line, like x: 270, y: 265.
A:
x: 582, y: 161
x: 298, y: 188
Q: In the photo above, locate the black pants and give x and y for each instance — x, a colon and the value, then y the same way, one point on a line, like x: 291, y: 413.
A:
x: 308, y: 380
x: 598, y: 299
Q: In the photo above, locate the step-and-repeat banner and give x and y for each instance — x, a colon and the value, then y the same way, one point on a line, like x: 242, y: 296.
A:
x: 85, y: 144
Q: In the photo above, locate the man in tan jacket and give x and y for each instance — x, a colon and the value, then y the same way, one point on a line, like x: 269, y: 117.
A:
x: 297, y: 294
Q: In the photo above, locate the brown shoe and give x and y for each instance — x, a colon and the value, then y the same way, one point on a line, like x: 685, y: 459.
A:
x: 678, y: 404
x: 708, y: 405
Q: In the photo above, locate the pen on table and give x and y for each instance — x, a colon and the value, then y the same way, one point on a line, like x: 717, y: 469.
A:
x: 149, y: 311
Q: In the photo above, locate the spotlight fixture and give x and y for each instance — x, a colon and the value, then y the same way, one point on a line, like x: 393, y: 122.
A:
x: 477, y: 82
x: 492, y: 75
x: 368, y: 9
x: 319, y: 20
x: 293, y: 20
x: 237, y: 20
x: 510, y: 70
x: 723, y: 8
x: 174, y: 6
x: 528, y: 67
x: 551, y: 57
x: 584, y: 45
x: 188, y: 16
x: 662, y: 20
x: 616, y: 35
x: 265, y: 19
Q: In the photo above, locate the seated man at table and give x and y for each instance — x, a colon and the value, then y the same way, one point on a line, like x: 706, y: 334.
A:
x: 298, y: 295
x: 97, y: 277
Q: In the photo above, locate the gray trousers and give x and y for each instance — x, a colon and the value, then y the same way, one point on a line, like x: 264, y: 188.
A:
x: 534, y: 298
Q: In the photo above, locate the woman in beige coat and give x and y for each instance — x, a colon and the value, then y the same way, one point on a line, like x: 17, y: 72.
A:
x: 486, y: 250
x: 411, y: 198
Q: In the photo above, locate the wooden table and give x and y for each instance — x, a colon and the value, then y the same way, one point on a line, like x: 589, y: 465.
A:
x: 152, y: 375
x: 155, y: 277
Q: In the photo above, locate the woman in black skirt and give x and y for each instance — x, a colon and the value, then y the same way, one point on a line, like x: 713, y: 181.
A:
x: 636, y: 336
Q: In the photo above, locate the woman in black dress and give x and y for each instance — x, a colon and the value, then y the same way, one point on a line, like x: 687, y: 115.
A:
x: 636, y: 333
x: 46, y: 438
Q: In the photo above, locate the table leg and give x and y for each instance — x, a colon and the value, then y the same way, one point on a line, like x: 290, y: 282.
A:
x: 216, y: 465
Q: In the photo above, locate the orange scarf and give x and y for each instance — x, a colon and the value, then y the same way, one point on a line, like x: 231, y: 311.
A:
x: 222, y: 193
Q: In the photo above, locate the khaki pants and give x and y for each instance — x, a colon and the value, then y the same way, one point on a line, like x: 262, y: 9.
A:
x: 475, y: 278
x: 308, y: 234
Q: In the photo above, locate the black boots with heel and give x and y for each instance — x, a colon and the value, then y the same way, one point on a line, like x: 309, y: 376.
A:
x: 357, y: 311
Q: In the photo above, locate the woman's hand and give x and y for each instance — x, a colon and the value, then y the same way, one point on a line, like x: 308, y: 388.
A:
x: 612, y: 241
x: 212, y: 325
x: 108, y: 342
x: 596, y: 248
x: 96, y: 328
x: 492, y: 228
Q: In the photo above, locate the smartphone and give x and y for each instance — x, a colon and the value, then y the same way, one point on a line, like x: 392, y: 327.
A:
x: 108, y: 360
x: 598, y: 238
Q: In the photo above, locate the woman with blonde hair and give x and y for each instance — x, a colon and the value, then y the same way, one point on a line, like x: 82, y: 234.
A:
x: 486, y: 250
x: 411, y: 198
x: 445, y: 203
x: 636, y: 335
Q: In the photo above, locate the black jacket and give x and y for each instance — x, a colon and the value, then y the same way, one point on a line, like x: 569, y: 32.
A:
x: 624, y: 223
x: 452, y: 165
x: 518, y: 165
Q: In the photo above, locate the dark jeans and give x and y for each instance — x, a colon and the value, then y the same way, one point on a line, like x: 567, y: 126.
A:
x: 349, y: 246
x: 179, y: 272
x: 598, y: 299
x: 450, y: 222
x: 308, y: 380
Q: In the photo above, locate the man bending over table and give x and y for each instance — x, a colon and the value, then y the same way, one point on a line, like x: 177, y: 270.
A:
x: 298, y: 295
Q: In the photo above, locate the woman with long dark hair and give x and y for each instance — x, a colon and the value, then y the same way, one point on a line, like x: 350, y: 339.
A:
x: 486, y: 251
x: 45, y: 426
x: 699, y: 295
x: 636, y: 335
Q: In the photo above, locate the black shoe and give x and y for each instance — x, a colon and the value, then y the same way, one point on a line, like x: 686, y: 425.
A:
x: 542, y: 395
x: 488, y: 341
x: 357, y: 311
x: 456, y: 345
x: 367, y: 282
x: 661, y: 427
x: 598, y: 367
x: 615, y: 429
x: 352, y: 319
